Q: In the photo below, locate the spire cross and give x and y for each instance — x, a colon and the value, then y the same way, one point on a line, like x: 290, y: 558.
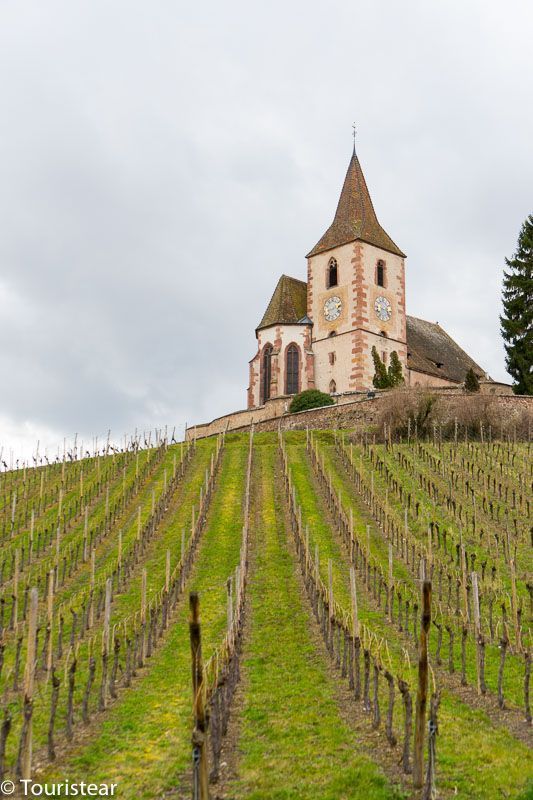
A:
x: 354, y: 133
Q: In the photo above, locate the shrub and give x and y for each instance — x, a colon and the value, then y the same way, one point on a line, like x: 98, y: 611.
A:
x: 400, y: 405
x: 471, y: 382
x: 387, y: 378
x: 311, y: 398
x: 380, y: 379
x: 395, y: 372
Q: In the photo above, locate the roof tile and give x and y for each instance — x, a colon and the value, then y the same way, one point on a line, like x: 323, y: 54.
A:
x: 288, y: 303
x: 355, y: 217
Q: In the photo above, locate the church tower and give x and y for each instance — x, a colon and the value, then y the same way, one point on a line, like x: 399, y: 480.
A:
x: 355, y: 292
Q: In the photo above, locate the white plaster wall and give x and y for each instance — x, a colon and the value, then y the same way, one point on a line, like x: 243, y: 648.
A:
x: 394, y: 291
x: 317, y: 267
x: 340, y: 371
x: 280, y: 337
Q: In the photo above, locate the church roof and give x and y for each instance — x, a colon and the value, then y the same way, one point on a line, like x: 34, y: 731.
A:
x: 355, y: 217
x: 431, y: 350
x: 288, y: 304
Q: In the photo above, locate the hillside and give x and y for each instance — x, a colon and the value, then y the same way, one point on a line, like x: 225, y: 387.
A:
x: 308, y: 551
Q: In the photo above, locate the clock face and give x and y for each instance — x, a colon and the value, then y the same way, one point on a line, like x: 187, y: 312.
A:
x: 332, y: 308
x: 383, y: 308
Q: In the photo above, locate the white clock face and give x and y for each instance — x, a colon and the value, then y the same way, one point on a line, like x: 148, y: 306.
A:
x: 383, y: 308
x: 332, y: 308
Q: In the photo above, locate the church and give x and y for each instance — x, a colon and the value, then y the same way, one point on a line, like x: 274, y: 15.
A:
x: 319, y: 334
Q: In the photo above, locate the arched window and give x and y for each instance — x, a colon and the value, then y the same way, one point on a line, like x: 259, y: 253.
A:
x: 384, y: 334
x: 267, y: 373
x: 332, y: 277
x: 380, y: 273
x: 292, y: 370
x: 332, y: 333
x: 332, y: 387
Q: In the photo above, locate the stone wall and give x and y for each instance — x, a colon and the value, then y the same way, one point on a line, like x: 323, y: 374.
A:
x: 352, y: 410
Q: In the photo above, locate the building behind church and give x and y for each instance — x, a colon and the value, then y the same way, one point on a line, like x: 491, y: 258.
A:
x: 320, y: 333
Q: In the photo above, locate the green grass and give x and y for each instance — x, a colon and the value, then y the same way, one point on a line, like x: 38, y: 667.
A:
x: 143, y: 744
x: 514, y: 669
x: 475, y: 758
x: 294, y: 743
x: 125, y: 603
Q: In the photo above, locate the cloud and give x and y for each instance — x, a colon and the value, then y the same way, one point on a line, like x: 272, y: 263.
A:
x: 159, y: 169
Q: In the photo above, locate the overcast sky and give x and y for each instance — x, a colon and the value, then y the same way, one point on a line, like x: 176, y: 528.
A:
x: 161, y: 164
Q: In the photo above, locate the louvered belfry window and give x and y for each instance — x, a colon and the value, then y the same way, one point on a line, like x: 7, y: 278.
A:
x: 332, y: 274
x: 293, y: 370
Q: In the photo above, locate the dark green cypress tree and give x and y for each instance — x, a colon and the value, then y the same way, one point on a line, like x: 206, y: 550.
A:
x: 381, y: 378
x: 517, y: 318
x: 395, y: 372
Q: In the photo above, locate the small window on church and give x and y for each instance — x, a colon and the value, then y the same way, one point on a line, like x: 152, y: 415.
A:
x: 332, y: 333
x: 383, y: 333
x: 332, y: 358
x: 380, y: 273
x: 332, y: 387
x: 332, y: 277
x: 384, y: 357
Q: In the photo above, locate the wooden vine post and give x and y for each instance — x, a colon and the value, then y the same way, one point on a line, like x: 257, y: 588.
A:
x: 199, y: 735
x: 144, y: 642
x: 29, y: 680
x: 91, y: 588
x: 477, y: 627
x: 421, y: 695
x: 49, y: 619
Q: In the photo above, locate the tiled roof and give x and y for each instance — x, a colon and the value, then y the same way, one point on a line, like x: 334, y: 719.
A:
x: 355, y: 217
x: 288, y: 303
x: 429, y: 346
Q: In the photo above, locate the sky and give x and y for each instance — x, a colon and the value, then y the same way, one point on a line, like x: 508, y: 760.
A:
x: 162, y: 164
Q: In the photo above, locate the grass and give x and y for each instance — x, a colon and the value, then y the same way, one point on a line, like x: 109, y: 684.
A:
x: 143, y: 744
x: 514, y: 669
x: 127, y: 601
x: 294, y: 743
x: 476, y: 759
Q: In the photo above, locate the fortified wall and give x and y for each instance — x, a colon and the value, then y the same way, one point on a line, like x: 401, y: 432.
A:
x: 354, y: 409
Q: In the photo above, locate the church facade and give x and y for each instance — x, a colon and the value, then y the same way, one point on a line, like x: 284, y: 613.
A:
x: 320, y: 333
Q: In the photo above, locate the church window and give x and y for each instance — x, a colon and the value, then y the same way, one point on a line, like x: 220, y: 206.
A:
x: 332, y: 333
x: 332, y: 358
x: 332, y: 276
x: 267, y: 373
x: 292, y: 371
x: 380, y: 273
x: 384, y: 356
x: 383, y: 333
x: 332, y: 387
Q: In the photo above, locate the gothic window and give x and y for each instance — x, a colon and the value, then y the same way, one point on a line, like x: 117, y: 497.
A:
x: 267, y: 373
x: 332, y: 387
x: 292, y: 370
x: 332, y: 358
x: 332, y: 277
x: 380, y: 273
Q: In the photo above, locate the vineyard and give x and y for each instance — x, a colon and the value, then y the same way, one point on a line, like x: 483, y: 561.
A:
x: 300, y: 614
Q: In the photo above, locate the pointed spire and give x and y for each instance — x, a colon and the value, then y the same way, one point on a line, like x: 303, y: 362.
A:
x: 355, y: 217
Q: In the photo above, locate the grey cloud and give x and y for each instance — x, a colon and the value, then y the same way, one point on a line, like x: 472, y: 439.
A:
x: 159, y: 168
